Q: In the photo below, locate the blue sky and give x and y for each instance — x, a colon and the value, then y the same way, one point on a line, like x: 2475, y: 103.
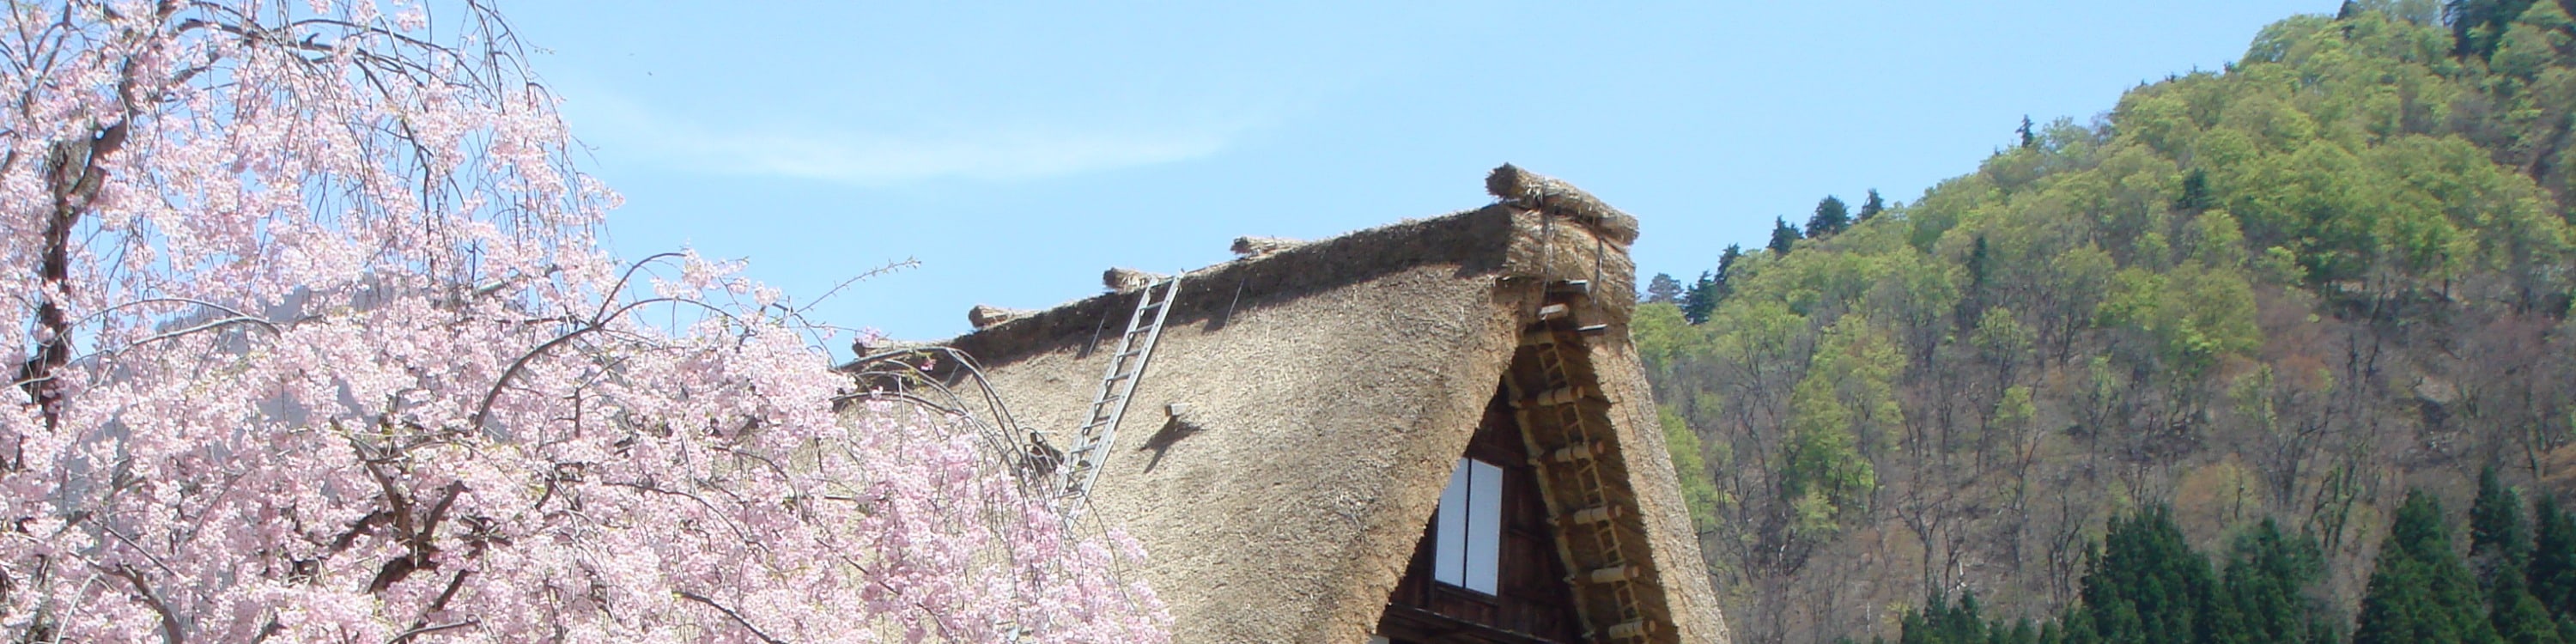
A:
x: 1017, y: 149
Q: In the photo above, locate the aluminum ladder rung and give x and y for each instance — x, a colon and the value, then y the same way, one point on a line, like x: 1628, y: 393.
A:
x: 1118, y: 382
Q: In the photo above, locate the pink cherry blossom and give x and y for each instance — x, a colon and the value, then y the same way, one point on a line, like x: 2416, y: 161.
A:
x: 319, y: 343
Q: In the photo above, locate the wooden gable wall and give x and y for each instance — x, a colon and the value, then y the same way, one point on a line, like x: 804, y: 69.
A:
x: 1532, y: 602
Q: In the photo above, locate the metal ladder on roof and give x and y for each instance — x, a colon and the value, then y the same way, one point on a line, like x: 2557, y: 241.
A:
x: 1099, y: 433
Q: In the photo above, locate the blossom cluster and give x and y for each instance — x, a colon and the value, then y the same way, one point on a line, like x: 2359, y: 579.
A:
x: 318, y: 343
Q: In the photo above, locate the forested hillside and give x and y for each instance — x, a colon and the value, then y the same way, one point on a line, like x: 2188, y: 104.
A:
x: 2246, y: 307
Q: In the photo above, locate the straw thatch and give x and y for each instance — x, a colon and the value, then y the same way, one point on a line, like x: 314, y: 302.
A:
x: 1253, y: 247
x: 1125, y: 279
x: 871, y: 344
x: 1292, y: 434
x: 985, y: 316
x: 1533, y: 190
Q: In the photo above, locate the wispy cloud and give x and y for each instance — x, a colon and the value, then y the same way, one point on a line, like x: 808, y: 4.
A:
x: 860, y: 157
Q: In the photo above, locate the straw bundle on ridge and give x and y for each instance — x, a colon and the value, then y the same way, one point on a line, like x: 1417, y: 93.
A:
x: 1556, y: 197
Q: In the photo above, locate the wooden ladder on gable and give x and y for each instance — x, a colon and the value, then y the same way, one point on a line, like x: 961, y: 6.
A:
x: 1562, y: 413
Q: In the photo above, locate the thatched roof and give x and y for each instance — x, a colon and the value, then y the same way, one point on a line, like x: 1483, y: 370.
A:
x: 1329, y: 388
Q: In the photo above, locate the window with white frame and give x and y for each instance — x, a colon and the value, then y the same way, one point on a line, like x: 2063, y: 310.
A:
x: 1468, y: 547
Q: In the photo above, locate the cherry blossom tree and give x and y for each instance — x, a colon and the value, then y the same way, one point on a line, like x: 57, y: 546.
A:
x: 318, y: 343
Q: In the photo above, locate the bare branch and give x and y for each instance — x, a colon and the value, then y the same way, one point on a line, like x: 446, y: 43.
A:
x: 889, y: 267
x: 728, y: 612
x: 407, y: 636
x: 483, y: 411
x: 171, y: 632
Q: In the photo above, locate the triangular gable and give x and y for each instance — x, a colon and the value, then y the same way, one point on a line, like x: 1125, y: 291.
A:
x: 1526, y: 595
x: 1333, y: 386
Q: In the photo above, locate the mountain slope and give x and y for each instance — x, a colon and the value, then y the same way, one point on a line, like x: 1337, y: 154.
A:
x: 2291, y: 290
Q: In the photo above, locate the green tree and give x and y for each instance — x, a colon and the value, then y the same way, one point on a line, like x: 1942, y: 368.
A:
x: 1783, y: 236
x: 1945, y: 622
x: 2497, y: 543
x: 2191, y: 316
x: 2264, y: 590
x: 1726, y: 270
x: 1847, y: 397
x: 1663, y: 288
x: 1699, y: 493
x: 2419, y: 592
x: 2552, y: 573
x: 1662, y: 336
x: 2518, y: 617
x: 1700, y: 299
x: 2477, y: 25
x: 1832, y: 216
x: 1941, y: 621
x: 2502, y: 548
x: 2535, y: 40
x: 2147, y: 584
x: 2195, y: 192
x: 1872, y: 206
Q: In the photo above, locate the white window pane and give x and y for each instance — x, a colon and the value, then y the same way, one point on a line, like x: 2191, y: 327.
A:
x: 1484, y: 525
x: 1449, y: 549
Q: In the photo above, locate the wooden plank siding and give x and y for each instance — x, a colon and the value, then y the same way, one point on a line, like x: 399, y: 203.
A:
x: 1531, y: 604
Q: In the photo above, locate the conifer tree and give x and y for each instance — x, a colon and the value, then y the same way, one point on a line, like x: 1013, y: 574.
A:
x: 2264, y: 589
x: 1726, y: 269
x: 2029, y: 133
x: 1941, y: 621
x: 2518, y: 617
x: 2419, y: 592
x: 1964, y: 622
x: 2078, y: 627
x: 2497, y: 542
x: 2022, y: 633
x: 1832, y: 216
x: 1783, y: 236
x: 2147, y: 584
x: 2195, y: 192
x: 1978, y: 260
x: 1869, y: 208
x: 1663, y: 288
x: 2477, y: 26
x: 2552, y: 572
x: 1912, y: 628
x: 1700, y: 299
x: 2052, y: 633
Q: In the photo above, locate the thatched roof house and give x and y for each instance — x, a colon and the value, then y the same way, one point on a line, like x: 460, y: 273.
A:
x: 1336, y: 396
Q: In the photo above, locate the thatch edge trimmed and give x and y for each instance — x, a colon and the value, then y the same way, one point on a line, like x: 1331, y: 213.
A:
x: 1673, y: 547
x: 1379, y: 557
